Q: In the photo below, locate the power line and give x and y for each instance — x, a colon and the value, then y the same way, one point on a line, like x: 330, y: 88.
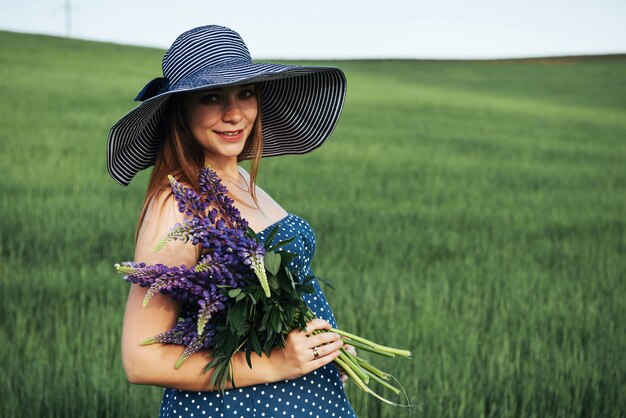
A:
x: 68, y: 18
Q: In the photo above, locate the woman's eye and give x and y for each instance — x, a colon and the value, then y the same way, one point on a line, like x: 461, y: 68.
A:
x: 247, y: 93
x: 209, y: 98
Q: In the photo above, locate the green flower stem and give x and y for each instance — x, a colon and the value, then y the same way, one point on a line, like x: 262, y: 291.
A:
x: 366, y: 344
x: 360, y: 383
x: 385, y: 384
x: 377, y: 347
x: 346, y: 358
x: 355, y: 366
x: 365, y: 347
x: 373, y: 370
x: 349, y: 360
x: 355, y: 378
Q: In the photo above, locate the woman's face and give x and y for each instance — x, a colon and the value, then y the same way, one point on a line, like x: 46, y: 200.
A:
x: 221, y: 119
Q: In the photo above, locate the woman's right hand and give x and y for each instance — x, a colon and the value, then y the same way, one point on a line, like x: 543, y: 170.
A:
x: 298, y: 358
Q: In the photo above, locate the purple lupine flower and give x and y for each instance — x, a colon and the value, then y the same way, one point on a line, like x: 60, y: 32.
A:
x: 208, y: 307
x: 228, y: 257
x: 211, y: 186
x: 189, y: 202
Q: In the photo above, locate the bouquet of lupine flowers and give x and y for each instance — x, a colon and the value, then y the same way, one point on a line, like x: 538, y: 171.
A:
x: 241, y: 295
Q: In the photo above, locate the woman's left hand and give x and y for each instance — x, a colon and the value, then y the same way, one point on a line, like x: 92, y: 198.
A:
x: 342, y: 374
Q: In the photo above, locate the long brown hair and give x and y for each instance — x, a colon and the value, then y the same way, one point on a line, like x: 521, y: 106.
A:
x: 183, y: 157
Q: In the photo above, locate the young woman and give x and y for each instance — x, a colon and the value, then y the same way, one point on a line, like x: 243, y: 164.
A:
x: 214, y: 106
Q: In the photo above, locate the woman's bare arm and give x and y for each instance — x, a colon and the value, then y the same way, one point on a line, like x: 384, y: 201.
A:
x: 154, y: 364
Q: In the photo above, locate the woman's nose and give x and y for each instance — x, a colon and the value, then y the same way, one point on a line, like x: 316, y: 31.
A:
x: 232, y: 111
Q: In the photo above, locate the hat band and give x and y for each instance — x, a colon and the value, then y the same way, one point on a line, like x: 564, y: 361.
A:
x: 153, y: 88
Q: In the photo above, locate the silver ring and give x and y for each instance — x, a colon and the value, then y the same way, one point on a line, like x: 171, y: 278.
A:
x: 316, y: 354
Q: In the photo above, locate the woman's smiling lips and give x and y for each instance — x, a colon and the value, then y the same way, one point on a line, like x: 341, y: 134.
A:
x: 230, y: 136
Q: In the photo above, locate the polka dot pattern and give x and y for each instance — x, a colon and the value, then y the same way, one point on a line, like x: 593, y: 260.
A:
x: 317, y: 394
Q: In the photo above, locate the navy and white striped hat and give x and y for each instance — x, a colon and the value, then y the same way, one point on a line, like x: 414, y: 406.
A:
x: 300, y: 104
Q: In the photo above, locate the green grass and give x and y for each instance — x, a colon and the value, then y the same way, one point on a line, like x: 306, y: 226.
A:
x: 473, y: 212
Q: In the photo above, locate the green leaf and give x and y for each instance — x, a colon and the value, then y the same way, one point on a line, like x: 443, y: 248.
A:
x: 233, y: 293
x: 221, y: 372
x: 286, y: 258
x: 255, y: 343
x: 256, y: 293
x: 270, y: 237
x: 291, y: 278
x: 266, y: 316
x: 308, y: 279
x: 243, y: 331
x: 275, y: 319
x: 252, y: 298
x: 326, y: 282
x: 250, y: 233
x: 281, y: 244
x: 285, y: 281
x: 273, y: 282
x: 289, y: 314
x: 272, y: 262
x: 267, y: 346
x: 248, y: 359
x: 237, y: 315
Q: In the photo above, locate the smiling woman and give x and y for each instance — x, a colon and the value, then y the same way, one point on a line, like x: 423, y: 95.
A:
x: 215, y: 107
x: 222, y: 119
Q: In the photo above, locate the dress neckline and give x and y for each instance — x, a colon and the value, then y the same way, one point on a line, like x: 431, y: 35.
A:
x: 273, y: 225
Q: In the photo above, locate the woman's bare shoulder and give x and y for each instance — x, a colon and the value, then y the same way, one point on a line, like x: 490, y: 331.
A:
x: 259, y: 190
x: 161, y: 215
x: 266, y: 202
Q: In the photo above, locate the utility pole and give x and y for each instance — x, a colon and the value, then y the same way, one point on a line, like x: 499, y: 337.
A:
x: 68, y: 18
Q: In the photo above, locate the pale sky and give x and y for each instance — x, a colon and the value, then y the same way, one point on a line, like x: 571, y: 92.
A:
x: 334, y: 29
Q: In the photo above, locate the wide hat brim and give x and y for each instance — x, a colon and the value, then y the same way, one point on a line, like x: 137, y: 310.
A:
x: 300, y: 106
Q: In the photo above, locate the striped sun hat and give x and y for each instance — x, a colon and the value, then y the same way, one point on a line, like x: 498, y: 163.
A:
x: 300, y: 104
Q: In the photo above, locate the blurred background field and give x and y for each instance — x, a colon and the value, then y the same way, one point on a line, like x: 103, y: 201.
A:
x: 471, y: 211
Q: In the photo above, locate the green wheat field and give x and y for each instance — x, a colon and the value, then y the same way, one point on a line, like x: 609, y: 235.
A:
x: 473, y: 212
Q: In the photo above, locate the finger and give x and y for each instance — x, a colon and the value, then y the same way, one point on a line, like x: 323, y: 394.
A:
x: 321, y: 339
x: 350, y: 349
x: 316, y: 353
x: 323, y: 360
x: 324, y: 350
x: 343, y: 375
x: 316, y: 324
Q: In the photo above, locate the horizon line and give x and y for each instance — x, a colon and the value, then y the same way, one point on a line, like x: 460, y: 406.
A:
x: 592, y: 56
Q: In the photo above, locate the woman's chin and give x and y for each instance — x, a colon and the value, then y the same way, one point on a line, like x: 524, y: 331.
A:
x: 231, y: 150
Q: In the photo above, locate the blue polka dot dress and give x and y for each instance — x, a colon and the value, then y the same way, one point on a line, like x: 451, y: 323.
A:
x: 317, y: 394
